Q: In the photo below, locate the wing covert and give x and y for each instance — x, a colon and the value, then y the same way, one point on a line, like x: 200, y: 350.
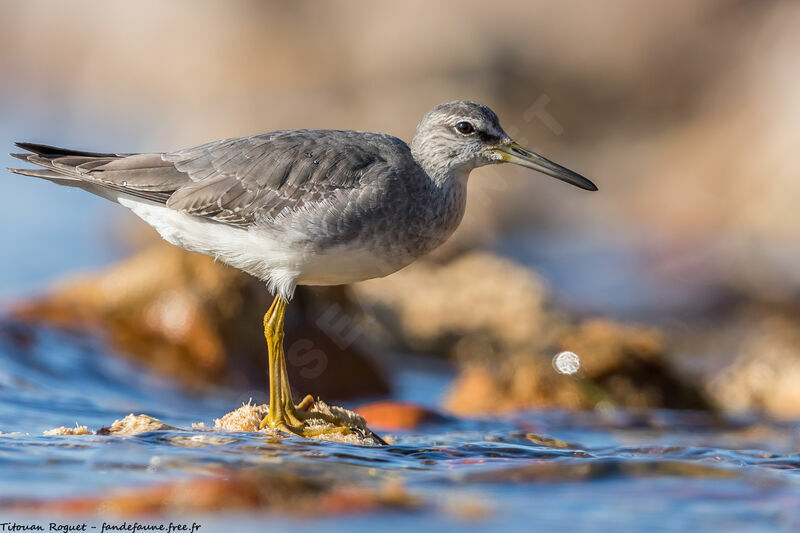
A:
x: 238, y: 180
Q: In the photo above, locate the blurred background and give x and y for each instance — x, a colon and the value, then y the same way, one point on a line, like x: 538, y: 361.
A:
x: 676, y: 284
x: 683, y: 113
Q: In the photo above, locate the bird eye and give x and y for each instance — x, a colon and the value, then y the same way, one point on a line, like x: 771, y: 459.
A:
x: 465, y: 128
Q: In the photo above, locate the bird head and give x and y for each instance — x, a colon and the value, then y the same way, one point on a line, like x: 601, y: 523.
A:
x: 459, y: 136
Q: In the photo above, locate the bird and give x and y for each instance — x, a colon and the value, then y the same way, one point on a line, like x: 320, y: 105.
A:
x: 305, y: 206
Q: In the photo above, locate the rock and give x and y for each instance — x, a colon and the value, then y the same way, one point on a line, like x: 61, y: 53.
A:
x: 199, y: 321
x: 607, y: 344
x: 361, y: 435
x: 77, y: 430
x: 397, y: 416
x: 521, y: 383
x: 622, y: 366
x: 248, y: 417
x: 493, y: 317
x: 764, y: 373
x: 476, y: 298
x: 133, y: 425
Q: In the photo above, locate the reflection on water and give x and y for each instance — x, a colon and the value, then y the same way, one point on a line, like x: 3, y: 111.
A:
x: 652, y: 470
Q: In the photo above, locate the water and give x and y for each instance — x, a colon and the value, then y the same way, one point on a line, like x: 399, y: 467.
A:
x: 603, y: 471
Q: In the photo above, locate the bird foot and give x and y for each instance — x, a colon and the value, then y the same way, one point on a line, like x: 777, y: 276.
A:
x: 310, y: 432
x: 288, y: 416
x: 315, y: 419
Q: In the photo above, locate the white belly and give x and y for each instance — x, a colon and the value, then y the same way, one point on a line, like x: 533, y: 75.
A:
x: 344, y: 265
x: 274, y: 260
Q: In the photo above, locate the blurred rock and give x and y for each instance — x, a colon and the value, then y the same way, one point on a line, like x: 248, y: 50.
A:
x: 474, y: 299
x: 231, y: 491
x: 201, y: 322
x: 561, y: 472
x: 621, y: 366
x: 764, y: 373
x: 493, y: 317
x: 397, y: 416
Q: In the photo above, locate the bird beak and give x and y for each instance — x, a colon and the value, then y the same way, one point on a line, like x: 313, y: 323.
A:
x: 514, y: 153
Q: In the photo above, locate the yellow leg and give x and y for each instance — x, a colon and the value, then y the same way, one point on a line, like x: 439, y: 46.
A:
x: 279, y: 415
x: 290, y: 414
x: 283, y: 413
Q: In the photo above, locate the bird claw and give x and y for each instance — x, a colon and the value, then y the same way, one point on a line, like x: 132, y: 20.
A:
x: 305, y: 404
x: 293, y: 419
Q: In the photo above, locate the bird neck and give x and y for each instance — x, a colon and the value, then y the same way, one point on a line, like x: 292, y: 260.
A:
x: 436, y: 160
x: 450, y: 180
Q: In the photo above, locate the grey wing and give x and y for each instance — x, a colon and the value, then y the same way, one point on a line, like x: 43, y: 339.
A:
x: 234, y: 181
x: 145, y: 176
x: 241, y: 180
